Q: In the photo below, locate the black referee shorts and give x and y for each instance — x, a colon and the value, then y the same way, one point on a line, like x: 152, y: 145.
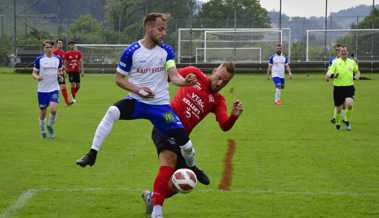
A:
x: 165, y: 142
x: 340, y: 93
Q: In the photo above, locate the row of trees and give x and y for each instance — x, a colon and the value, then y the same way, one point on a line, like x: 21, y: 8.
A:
x: 121, y: 20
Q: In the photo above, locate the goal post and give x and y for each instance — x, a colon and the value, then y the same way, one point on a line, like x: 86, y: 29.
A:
x: 191, y: 40
x: 101, y: 53
x: 238, y: 55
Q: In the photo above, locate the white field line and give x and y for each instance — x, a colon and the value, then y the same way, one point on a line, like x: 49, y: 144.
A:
x: 19, y: 204
x: 246, y: 191
x: 28, y: 194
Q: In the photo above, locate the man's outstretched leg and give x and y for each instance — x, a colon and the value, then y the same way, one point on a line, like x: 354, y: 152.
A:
x: 167, y: 162
x: 102, y: 131
x: 188, y: 153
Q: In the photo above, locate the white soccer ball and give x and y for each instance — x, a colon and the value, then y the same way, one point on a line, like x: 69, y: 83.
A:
x: 184, y: 180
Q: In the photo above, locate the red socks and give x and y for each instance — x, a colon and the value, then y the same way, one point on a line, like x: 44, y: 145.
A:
x: 74, y: 90
x: 65, y: 95
x: 161, y: 184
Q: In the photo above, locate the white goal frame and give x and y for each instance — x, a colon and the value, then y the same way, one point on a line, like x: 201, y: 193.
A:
x: 229, y: 48
x: 199, y: 30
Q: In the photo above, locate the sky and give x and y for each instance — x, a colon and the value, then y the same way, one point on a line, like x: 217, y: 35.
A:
x: 308, y: 8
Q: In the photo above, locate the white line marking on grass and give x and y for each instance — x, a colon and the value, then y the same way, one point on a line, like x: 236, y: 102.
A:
x: 28, y: 194
x: 246, y: 191
x: 353, y: 194
x: 19, y: 204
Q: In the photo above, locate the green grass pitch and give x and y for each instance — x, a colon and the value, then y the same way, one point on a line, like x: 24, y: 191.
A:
x: 289, y: 161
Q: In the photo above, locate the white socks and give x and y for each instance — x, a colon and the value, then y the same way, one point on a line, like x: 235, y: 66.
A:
x: 188, y: 152
x: 157, y: 212
x: 51, y: 119
x: 277, y: 94
x: 105, y: 127
x: 42, y: 126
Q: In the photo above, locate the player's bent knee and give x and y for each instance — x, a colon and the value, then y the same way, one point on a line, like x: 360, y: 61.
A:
x: 168, y: 158
x: 349, y: 102
x: 180, y: 136
x: 113, y: 112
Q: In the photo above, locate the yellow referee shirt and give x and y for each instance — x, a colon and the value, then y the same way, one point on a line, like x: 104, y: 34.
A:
x: 343, y: 71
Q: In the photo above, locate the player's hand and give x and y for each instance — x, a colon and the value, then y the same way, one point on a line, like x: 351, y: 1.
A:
x: 356, y: 77
x: 39, y: 78
x: 237, y: 108
x: 145, y: 92
x: 191, y: 79
x: 290, y: 75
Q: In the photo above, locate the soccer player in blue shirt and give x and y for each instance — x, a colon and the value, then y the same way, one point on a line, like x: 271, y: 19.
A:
x: 45, y: 71
x: 277, y: 64
x: 148, y: 64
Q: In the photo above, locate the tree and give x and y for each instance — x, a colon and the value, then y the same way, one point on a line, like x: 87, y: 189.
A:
x: 223, y: 14
x: 126, y: 16
x: 364, y: 44
x: 86, y: 29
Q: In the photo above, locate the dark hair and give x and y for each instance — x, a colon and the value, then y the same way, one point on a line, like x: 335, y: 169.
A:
x: 230, y: 67
x: 279, y: 45
x: 71, y: 42
x: 339, y: 45
x: 152, y: 17
x: 48, y: 41
x: 58, y: 40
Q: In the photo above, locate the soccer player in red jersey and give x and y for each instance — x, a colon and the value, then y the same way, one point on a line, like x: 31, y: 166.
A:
x: 74, y: 68
x: 191, y: 104
x: 57, y: 51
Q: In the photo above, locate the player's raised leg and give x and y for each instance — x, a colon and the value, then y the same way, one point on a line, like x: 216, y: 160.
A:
x: 102, y: 131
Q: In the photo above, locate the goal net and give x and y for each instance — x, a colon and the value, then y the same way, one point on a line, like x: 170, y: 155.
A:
x: 230, y: 44
x: 101, y: 55
x: 363, y: 44
x: 238, y: 55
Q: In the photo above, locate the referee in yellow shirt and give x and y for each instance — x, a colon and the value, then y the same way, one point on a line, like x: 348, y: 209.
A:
x: 343, y: 72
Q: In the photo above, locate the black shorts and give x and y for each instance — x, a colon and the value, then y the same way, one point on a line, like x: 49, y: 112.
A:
x: 340, y: 93
x: 165, y: 142
x: 74, y: 77
x: 61, y: 79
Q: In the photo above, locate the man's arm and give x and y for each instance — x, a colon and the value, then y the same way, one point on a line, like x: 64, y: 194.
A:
x: 331, y: 72
x: 289, y: 71
x: 178, y: 79
x: 269, y: 67
x: 36, y: 76
x: 123, y: 83
x: 35, y: 72
x: 357, y: 75
x: 226, y: 122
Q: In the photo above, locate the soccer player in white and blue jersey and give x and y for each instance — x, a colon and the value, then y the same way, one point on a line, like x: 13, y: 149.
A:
x: 148, y: 64
x: 45, y: 71
x: 277, y: 65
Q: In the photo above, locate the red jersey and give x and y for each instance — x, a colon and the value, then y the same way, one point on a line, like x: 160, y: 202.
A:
x: 73, y: 58
x: 193, y: 103
x: 59, y: 52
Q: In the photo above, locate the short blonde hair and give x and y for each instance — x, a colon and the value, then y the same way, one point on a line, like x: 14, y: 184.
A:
x: 152, y: 17
x: 230, y: 67
x: 48, y: 41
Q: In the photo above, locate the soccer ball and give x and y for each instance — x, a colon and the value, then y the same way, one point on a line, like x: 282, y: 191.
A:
x: 184, y: 180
